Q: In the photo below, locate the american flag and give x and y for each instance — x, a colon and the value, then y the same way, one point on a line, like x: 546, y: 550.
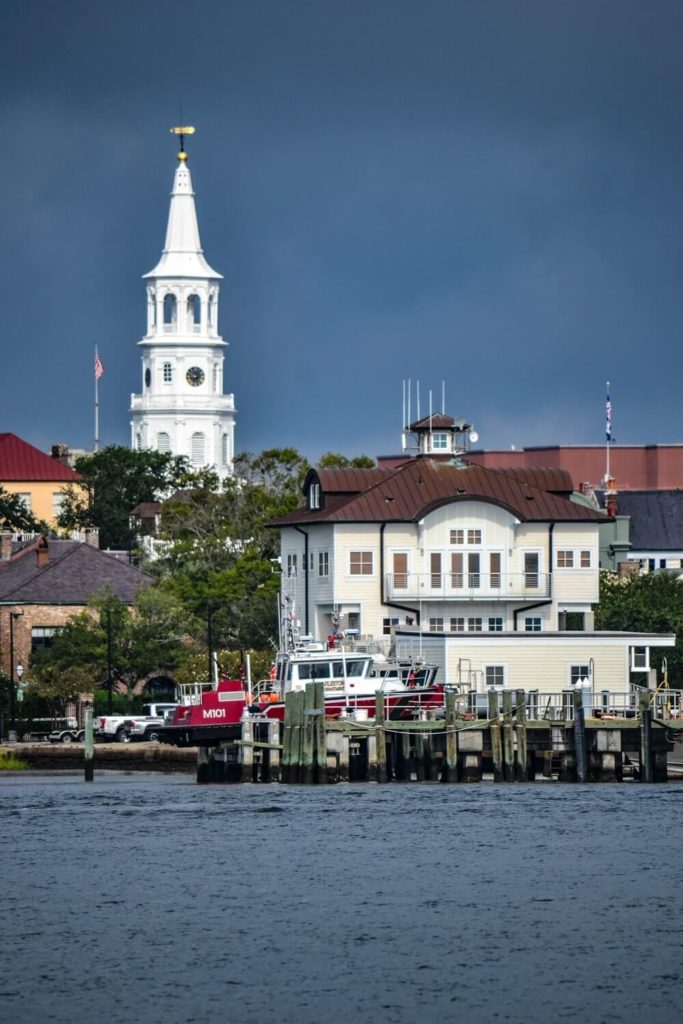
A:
x: 99, y: 368
x: 608, y: 417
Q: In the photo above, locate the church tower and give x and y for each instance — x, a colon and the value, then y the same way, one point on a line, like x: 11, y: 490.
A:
x: 182, y: 408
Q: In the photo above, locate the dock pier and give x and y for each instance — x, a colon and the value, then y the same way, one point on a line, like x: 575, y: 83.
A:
x: 514, y: 738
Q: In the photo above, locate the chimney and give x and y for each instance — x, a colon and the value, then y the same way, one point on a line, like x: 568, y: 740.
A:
x: 42, y: 556
x: 92, y: 537
x: 611, y: 495
x: 6, y: 545
x: 61, y: 453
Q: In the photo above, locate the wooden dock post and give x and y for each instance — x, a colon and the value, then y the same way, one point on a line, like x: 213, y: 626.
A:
x: 89, y: 747
x: 580, y: 749
x: 419, y: 755
x: 294, y: 716
x: 274, y: 770
x: 307, y: 735
x: 450, y: 767
x: 496, y: 741
x: 646, y: 773
x: 508, y: 739
x: 406, y: 763
x: 345, y: 759
x: 521, y: 762
x: 247, y: 749
x: 381, y: 737
x: 203, y: 766
x: 320, y: 737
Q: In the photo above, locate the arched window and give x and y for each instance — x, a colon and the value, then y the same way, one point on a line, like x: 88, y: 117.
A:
x: 138, y: 441
x: 194, y: 310
x: 170, y: 310
x: 225, y: 450
x: 152, y: 307
x: 212, y: 308
x: 163, y: 443
x: 198, y: 449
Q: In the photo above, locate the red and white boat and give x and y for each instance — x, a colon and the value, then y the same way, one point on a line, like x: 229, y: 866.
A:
x: 351, y: 677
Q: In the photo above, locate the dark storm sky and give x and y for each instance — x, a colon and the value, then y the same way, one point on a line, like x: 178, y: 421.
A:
x: 488, y: 193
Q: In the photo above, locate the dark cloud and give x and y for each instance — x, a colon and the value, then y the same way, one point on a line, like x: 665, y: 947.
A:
x: 483, y: 192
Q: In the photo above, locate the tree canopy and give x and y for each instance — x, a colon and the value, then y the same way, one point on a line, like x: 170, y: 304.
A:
x: 650, y: 603
x: 115, y: 480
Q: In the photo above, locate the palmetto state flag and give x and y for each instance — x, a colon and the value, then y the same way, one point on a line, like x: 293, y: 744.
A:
x: 608, y: 416
x: 99, y: 368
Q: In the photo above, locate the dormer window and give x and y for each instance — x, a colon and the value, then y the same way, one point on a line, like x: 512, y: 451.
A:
x: 440, y: 442
x: 314, y: 496
x: 170, y: 308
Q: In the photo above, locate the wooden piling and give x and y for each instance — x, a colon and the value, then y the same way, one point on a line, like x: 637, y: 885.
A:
x: 380, y: 737
x: 450, y: 768
x: 406, y: 759
x: 307, y: 736
x: 345, y: 759
x: 521, y: 762
x: 646, y: 773
x: 274, y: 768
x: 508, y: 739
x: 580, y: 749
x: 247, y: 749
x: 371, y: 754
x: 320, y: 736
x: 419, y: 755
x: 496, y: 741
x: 89, y: 747
x: 203, y: 766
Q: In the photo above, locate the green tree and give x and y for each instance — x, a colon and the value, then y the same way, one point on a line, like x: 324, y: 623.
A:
x: 651, y: 603
x: 141, y: 640
x: 14, y: 515
x: 115, y: 480
x: 335, y: 460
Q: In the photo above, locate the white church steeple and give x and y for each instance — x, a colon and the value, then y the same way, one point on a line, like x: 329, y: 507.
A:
x: 182, y: 408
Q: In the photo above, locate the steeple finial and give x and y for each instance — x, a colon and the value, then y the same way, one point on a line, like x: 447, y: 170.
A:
x: 182, y: 132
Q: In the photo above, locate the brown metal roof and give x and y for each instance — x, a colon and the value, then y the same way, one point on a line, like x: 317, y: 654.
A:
x: 346, y: 481
x: 412, y: 490
x: 558, y: 481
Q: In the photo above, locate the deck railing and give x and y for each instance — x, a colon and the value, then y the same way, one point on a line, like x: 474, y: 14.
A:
x: 467, y: 586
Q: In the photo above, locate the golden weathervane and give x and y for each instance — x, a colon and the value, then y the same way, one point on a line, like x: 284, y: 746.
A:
x: 182, y: 132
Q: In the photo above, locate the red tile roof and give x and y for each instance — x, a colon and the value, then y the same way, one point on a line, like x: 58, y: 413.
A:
x: 20, y: 461
x: 411, y: 491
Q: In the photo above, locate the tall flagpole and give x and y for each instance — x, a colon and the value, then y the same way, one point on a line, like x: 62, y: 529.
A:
x: 99, y: 370
x: 608, y: 434
x: 97, y: 405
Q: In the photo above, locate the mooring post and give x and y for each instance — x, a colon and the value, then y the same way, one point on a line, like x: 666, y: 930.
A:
x: 580, y: 751
x: 407, y: 772
x: 307, y: 734
x: 496, y: 741
x: 247, y: 748
x: 522, y: 772
x: 450, y: 769
x: 381, y: 737
x: 274, y: 770
x: 345, y: 758
x: 320, y: 757
x: 203, y: 766
x: 89, y: 746
x: 646, y: 773
x: 508, y: 741
x: 419, y: 755
x: 287, y: 737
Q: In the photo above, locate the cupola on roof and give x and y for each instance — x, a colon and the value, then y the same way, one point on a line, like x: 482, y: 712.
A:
x: 183, y: 255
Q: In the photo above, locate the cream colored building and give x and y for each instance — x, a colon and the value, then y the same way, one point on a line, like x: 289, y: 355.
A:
x: 491, y: 574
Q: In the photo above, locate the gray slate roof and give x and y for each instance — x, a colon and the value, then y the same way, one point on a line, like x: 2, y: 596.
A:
x: 74, y: 572
x: 656, y: 519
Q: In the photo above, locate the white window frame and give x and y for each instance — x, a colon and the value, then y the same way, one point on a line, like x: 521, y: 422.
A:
x: 292, y: 565
x: 533, y: 623
x: 565, y: 558
x: 633, y: 658
x: 436, y: 624
x: 323, y: 564
x: 457, y: 624
x: 439, y: 441
x: 502, y: 666
x: 587, y: 554
x: 499, y: 623
x: 167, y: 373
x: 475, y: 624
x: 314, y: 496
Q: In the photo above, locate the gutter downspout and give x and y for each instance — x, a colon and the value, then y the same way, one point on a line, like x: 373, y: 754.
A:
x: 382, y: 597
x: 306, y: 568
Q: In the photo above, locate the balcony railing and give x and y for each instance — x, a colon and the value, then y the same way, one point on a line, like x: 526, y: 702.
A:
x: 467, y: 586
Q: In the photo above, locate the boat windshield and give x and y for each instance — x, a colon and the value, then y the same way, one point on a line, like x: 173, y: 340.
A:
x: 351, y: 668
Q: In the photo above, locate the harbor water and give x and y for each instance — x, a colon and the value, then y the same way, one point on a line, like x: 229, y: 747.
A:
x: 148, y: 898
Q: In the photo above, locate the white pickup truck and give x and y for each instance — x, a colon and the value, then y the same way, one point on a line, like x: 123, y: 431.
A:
x: 148, y: 727
x: 116, y: 728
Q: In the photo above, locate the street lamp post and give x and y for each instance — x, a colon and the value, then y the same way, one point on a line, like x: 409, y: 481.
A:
x: 13, y: 616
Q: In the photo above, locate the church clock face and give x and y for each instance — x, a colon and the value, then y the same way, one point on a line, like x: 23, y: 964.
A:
x: 195, y: 376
